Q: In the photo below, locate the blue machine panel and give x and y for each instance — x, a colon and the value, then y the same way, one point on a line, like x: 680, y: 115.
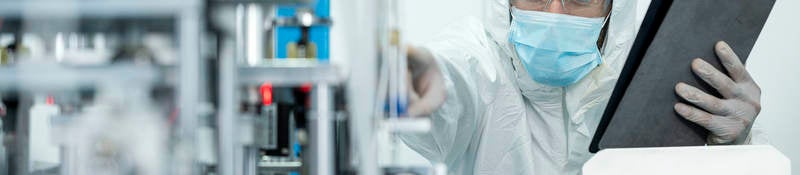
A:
x: 320, y: 35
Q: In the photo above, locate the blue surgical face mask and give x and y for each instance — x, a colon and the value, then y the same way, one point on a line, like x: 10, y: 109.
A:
x: 556, y: 49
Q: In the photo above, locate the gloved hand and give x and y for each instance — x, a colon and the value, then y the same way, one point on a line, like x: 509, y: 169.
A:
x: 728, y: 119
x: 426, y: 91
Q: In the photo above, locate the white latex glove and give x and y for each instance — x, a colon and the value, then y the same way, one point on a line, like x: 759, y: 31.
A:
x: 427, y: 92
x: 728, y: 119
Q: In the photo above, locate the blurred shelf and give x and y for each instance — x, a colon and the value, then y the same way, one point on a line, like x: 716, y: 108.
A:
x: 279, y: 166
x: 56, y: 8
x: 289, y: 72
x: 53, y: 76
x: 417, y: 170
x: 296, y: 22
x: 406, y: 125
x: 263, y: 1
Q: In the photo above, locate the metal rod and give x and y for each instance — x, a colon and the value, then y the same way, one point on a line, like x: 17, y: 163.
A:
x: 254, y: 34
x: 189, y: 27
x: 322, y: 137
x: 251, y: 160
x: 362, y: 81
x: 227, y: 119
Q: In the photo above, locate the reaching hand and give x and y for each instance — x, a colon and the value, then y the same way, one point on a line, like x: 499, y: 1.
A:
x: 427, y: 92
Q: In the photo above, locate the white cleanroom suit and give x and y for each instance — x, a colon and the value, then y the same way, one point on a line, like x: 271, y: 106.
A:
x: 496, y: 119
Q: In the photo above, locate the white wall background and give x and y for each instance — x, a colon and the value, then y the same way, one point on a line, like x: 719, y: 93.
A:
x: 423, y: 19
x: 774, y: 63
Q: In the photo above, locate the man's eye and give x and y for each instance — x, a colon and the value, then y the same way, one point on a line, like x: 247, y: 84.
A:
x: 583, y: 2
x: 537, y: 1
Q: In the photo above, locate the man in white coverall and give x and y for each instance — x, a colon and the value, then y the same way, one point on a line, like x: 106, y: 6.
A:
x: 523, y: 90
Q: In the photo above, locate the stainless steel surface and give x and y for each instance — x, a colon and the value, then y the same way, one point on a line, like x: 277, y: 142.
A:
x: 251, y: 160
x: 189, y: 28
x: 110, y: 8
x: 322, y: 132
x: 242, y: 62
x: 299, y: 21
x: 362, y: 80
x: 228, y: 100
x: 266, y: 128
x: 289, y: 72
x: 254, y: 34
x: 51, y: 76
x: 45, y: 77
x: 279, y: 166
x: 264, y: 1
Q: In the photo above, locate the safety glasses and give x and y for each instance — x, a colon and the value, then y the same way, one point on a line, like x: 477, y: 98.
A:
x: 583, y: 8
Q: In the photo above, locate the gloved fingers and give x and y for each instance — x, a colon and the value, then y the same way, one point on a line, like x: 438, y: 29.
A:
x: 703, y: 100
x: 428, y: 102
x: 430, y: 88
x: 419, y: 59
x: 415, y: 65
x: 425, y: 106
x: 715, y: 78
x: 717, y: 140
x: 732, y: 62
x: 748, y: 89
x: 695, y: 115
x: 413, y: 97
x: 725, y: 130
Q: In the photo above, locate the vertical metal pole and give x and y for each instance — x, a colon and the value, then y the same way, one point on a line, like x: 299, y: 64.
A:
x: 189, y: 28
x: 22, y: 137
x: 254, y: 32
x: 251, y: 160
x: 361, y: 85
x: 322, y: 136
x: 253, y: 54
x: 227, y: 119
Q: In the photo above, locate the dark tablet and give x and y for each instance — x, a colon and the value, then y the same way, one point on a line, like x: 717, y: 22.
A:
x: 640, y: 112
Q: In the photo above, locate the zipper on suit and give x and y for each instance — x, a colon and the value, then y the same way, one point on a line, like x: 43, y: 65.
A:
x: 567, y: 120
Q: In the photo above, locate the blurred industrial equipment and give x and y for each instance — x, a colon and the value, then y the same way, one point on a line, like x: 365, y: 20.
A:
x: 100, y: 87
x: 202, y: 87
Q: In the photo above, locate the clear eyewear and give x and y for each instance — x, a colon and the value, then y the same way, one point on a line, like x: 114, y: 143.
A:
x: 583, y: 8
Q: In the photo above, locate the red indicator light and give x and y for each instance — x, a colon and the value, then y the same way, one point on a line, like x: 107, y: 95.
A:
x: 50, y: 100
x: 266, y: 94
